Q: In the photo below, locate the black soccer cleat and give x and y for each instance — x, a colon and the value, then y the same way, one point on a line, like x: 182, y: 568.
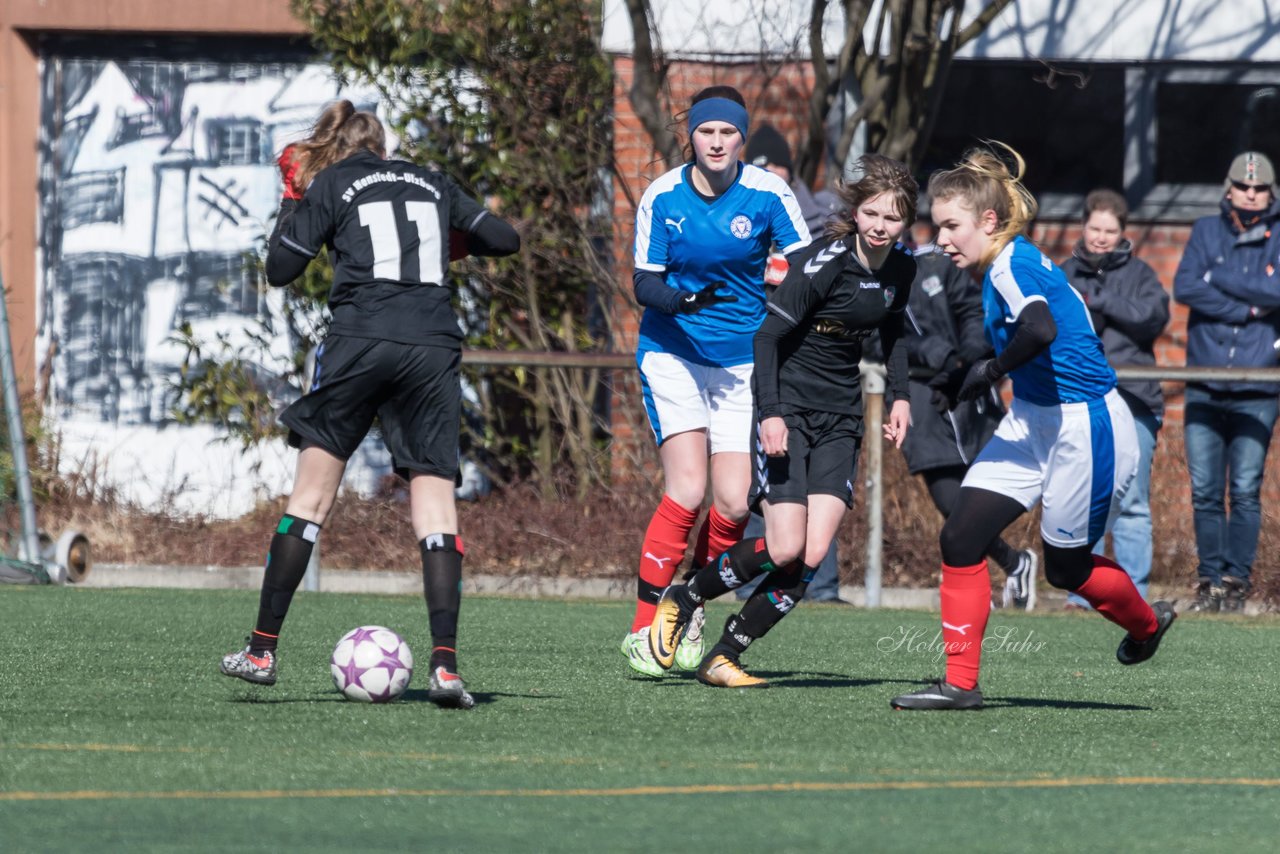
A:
x: 939, y: 695
x: 1135, y: 651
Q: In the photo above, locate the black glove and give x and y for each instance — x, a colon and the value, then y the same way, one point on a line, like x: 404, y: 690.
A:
x: 946, y: 384
x: 982, y: 375
x: 694, y: 303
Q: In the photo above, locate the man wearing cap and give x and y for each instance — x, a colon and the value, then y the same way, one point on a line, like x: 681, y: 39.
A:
x: 1228, y: 278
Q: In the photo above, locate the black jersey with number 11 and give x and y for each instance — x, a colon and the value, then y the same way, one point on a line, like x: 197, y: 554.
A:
x: 387, y: 223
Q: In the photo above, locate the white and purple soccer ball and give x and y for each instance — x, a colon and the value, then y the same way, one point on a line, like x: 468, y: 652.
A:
x: 371, y: 664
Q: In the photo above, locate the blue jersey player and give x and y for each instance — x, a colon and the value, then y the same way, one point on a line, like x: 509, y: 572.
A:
x: 704, y: 231
x: 1067, y: 442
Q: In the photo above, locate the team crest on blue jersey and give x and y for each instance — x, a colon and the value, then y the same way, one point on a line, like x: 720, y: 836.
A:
x: 740, y: 227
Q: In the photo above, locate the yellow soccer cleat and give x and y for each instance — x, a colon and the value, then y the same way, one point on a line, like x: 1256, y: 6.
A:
x: 668, y: 626
x: 720, y: 671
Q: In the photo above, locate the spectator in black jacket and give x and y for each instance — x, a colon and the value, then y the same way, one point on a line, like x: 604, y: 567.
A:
x: 1130, y: 309
x: 943, y: 335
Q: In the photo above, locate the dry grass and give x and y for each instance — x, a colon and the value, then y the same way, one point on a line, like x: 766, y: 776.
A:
x: 516, y: 532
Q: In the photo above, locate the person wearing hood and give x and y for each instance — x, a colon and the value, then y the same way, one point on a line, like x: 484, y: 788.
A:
x: 1129, y: 309
x: 1227, y: 277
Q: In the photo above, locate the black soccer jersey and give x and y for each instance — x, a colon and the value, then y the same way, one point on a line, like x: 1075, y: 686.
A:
x: 808, y: 348
x: 387, y: 225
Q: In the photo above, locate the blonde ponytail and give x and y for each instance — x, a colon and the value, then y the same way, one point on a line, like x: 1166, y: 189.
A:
x: 982, y: 181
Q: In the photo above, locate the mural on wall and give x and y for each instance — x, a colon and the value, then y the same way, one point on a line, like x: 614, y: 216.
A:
x: 158, y: 185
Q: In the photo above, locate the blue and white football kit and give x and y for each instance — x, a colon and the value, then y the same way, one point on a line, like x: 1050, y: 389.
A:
x: 696, y: 368
x: 1068, y: 440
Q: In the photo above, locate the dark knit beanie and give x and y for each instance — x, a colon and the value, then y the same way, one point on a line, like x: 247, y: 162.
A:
x: 766, y: 146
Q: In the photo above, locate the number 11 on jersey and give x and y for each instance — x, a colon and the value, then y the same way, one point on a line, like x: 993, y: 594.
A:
x: 384, y: 235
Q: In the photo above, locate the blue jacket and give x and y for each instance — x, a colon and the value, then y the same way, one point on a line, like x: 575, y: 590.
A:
x: 1230, y: 279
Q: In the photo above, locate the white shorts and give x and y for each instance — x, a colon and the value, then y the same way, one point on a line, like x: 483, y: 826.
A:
x: 680, y: 396
x: 1077, y: 458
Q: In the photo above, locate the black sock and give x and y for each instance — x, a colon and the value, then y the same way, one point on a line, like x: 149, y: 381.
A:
x: 771, y: 601
x: 732, y: 569
x: 260, y: 642
x: 442, y: 586
x: 286, y: 564
x: 1005, y: 555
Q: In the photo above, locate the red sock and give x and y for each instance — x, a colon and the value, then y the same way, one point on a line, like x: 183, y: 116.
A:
x: 664, y: 545
x: 966, y: 604
x: 716, y: 536
x: 1111, y: 593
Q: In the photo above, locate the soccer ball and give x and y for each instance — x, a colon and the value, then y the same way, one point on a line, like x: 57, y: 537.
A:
x: 371, y: 664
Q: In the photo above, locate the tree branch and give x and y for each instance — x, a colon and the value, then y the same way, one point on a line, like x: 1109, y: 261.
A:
x: 979, y: 24
x: 646, y: 84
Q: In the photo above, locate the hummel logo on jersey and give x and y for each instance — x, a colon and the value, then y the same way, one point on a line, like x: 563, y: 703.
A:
x: 658, y: 560
x: 679, y: 226
x: 960, y: 629
x: 817, y: 262
x: 868, y: 285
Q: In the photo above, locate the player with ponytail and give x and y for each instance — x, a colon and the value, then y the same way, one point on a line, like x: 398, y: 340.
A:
x: 1067, y: 442
x: 392, y: 352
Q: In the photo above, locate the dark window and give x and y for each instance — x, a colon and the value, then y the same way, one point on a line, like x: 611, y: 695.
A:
x: 93, y: 197
x: 235, y: 142
x: 1067, y: 123
x: 1245, y: 118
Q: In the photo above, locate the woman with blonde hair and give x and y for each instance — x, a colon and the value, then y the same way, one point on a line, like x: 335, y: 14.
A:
x: 1067, y: 442
x: 392, y: 352
x: 808, y: 415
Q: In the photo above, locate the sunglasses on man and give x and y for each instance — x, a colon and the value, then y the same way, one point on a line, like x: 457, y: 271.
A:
x: 1245, y: 187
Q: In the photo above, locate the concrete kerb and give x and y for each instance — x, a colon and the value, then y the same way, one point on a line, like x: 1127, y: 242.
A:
x: 394, y: 583
x: 386, y: 582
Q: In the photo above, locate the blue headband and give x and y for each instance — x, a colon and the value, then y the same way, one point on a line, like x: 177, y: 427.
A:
x: 718, y: 110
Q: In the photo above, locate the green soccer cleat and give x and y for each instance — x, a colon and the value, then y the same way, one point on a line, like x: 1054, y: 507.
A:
x: 693, y: 645
x: 635, y: 646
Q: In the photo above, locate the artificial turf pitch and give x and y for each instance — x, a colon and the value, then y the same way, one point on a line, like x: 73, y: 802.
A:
x: 118, y: 734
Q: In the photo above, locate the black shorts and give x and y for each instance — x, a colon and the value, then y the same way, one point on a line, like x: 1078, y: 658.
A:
x: 413, y: 389
x: 821, y: 459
